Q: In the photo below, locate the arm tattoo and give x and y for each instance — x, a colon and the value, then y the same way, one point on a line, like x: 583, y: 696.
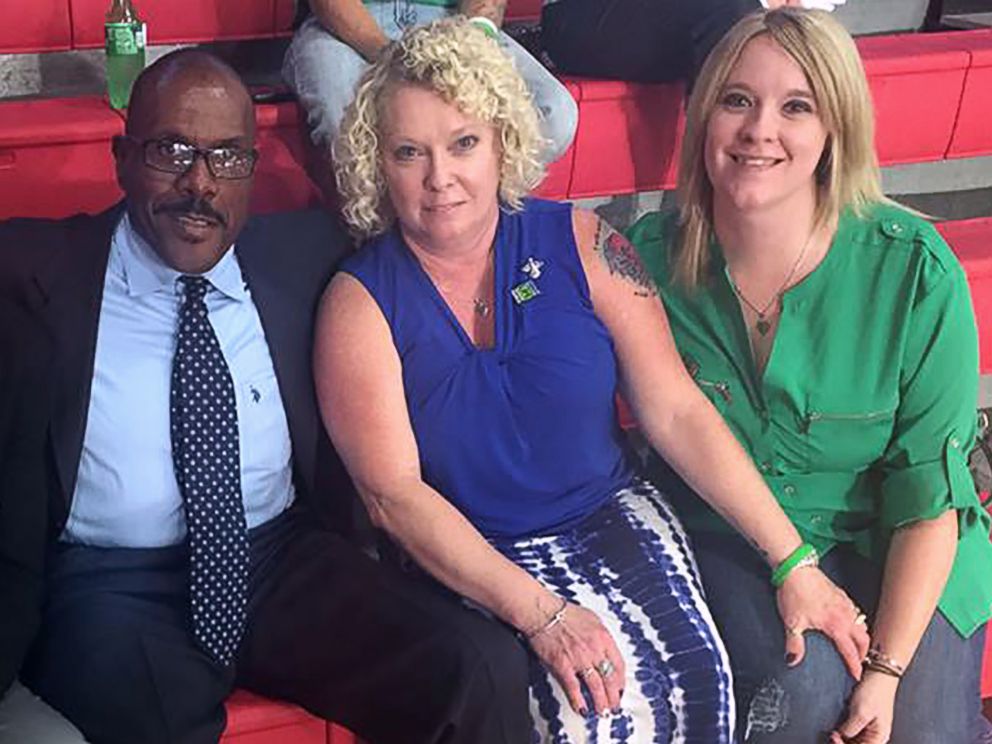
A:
x: 622, y: 260
x: 491, y: 9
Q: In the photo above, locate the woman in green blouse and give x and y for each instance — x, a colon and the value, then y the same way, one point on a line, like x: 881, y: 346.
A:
x: 834, y: 331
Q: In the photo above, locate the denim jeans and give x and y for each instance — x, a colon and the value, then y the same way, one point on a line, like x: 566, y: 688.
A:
x: 323, y: 71
x: 938, y: 700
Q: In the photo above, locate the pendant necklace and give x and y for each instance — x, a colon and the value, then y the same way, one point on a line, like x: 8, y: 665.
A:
x: 764, y: 324
x: 481, y: 307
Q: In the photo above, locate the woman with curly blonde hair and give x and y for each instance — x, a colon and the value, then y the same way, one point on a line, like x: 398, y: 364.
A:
x: 834, y: 331
x: 467, y: 361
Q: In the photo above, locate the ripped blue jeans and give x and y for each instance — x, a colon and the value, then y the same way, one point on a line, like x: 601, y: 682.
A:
x: 938, y: 700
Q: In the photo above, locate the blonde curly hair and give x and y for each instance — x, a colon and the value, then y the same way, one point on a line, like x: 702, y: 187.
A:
x: 457, y: 60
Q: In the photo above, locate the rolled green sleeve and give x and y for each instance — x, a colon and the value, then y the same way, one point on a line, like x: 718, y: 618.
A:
x: 925, y: 464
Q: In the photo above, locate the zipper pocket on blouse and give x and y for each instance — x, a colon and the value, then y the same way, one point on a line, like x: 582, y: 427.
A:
x: 814, y: 416
x: 722, y: 389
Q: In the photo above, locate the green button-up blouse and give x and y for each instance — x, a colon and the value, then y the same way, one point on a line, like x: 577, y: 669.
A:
x: 865, y: 414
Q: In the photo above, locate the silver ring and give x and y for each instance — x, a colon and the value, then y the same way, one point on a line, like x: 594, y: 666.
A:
x: 583, y: 673
x: 605, y: 668
x: 861, y: 619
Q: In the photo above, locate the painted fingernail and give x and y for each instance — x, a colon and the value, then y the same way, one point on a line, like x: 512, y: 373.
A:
x: 583, y: 712
x: 621, y: 693
x: 790, y: 658
x: 617, y: 711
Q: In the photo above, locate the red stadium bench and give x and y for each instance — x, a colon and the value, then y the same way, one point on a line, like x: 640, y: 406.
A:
x: 905, y: 70
x: 973, y: 135
x: 252, y: 719
x: 55, y: 157
x: 32, y: 26
x: 281, y: 182
x: 627, y: 140
x: 180, y: 21
x: 971, y: 241
x: 628, y: 137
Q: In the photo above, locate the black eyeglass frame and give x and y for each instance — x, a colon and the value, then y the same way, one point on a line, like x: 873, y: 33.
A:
x: 197, y: 152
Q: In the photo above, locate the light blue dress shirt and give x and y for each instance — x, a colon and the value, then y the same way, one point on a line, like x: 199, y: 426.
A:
x: 126, y: 493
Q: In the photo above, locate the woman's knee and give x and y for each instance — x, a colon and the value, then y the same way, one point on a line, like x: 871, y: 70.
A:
x: 783, y: 705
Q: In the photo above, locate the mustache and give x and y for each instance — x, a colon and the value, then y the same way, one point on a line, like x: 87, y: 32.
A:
x: 192, y: 207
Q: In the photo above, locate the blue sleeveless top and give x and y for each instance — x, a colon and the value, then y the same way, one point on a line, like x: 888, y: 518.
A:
x: 522, y: 438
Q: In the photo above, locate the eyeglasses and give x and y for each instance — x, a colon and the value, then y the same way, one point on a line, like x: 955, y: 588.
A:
x: 175, y: 156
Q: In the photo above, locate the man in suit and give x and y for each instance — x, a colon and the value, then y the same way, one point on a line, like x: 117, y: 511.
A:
x: 188, y: 477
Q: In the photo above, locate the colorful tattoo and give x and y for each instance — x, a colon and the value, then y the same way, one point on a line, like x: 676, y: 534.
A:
x: 622, y: 259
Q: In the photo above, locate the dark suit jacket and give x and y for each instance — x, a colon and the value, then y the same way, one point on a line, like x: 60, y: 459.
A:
x: 51, y: 286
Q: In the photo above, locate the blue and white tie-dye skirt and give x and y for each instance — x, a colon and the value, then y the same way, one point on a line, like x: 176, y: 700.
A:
x: 630, y: 563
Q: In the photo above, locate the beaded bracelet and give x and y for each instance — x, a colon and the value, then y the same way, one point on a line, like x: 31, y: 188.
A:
x: 486, y: 24
x: 804, y: 555
x: 554, y: 620
x: 876, y: 666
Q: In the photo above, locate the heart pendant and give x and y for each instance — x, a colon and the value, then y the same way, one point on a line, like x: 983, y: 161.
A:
x: 763, y: 326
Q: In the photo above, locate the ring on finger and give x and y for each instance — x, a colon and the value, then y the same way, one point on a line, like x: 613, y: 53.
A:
x: 794, y: 631
x: 861, y: 619
x: 584, y: 673
x: 605, y: 668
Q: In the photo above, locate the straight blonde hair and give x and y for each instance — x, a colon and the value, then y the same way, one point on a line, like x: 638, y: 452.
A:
x: 847, y: 174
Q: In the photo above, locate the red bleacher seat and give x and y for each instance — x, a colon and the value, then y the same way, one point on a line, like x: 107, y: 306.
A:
x: 55, y: 157
x: 255, y: 720
x: 33, y: 26
x: 628, y: 137
x: 281, y: 183
x: 523, y: 11
x: 971, y: 241
x: 252, y: 719
x: 916, y: 82
x: 973, y: 135
x: 180, y: 21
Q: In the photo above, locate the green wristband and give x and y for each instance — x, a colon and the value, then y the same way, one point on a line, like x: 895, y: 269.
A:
x: 804, y: 555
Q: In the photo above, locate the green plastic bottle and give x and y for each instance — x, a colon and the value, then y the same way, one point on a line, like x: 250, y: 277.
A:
x: 125, y: 44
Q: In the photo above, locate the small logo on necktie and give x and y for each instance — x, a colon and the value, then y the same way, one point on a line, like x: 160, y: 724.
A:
x: 255, y: 395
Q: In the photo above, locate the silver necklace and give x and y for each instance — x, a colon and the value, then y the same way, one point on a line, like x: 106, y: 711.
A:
x: 763, y: 324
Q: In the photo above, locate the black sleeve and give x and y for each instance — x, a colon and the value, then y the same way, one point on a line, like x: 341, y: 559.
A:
x: 24, y: 391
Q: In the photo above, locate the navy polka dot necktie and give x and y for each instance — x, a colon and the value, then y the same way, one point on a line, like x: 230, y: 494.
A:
x: 207, y: 461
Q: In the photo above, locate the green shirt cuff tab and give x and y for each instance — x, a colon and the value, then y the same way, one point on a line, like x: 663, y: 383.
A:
x: 927, y: 490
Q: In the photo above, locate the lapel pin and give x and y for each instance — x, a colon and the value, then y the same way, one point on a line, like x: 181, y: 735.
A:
x: 532, y: 267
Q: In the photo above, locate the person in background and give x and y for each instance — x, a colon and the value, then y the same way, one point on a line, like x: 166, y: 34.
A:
x: 191, y: 492
x: 834, y: 332
x: 339, y: 38
x: 658, y: 42
x: 467, y: 361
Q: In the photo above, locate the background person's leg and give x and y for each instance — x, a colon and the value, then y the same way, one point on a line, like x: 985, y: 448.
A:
x: 115, y: 655
x: 322, y: 71
x: 558, y: 112
x: 354, y: 642
x: 640, y: 40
